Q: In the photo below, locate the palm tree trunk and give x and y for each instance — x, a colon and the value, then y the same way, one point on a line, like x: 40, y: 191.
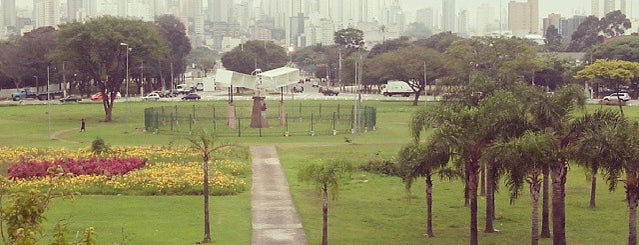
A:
x: 482, y: 181
x: 593, y: 187
x: 473, y: 183
x: 205, y: 190
x: 429, y: 206
x: 545, y: 212
x: 466, y: 188
x: 325, y: 215
x: 534, y: 197
x: 632, y: 188
x: 490, y: 201
x: 558, y: 203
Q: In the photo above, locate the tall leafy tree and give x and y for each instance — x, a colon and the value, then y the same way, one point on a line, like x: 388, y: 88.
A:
x: 203, y: 58
x: 614, y: 24
x: 623, y: 49
x: 553, y: 39
x: 95, y: 47
x: 586, y: 35
x: 174, y: 31
x: 253, y: 55
x: 327, y: 177
x: 349, y: 37
x: 22, y: 58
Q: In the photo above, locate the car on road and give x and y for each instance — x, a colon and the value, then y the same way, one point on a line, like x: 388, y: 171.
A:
x: 315, y: 84
x: 71, y: 98
x: 617, y: 96
x: 328, y: 92
x: 98, y: 96
x: 191, y: 96
x: 151, y: 96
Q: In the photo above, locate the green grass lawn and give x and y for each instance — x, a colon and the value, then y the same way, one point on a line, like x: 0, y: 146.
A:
x: 375, y: 211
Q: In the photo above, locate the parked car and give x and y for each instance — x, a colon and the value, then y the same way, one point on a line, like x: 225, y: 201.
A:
x: 315, y: 84
x: 151, y: 96
x: 617, y: 96
x: 191, y: 96
x: 71, y: 98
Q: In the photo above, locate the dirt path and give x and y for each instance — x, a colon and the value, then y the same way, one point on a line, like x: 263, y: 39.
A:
x: 275, y: 220
x: 56, y: 136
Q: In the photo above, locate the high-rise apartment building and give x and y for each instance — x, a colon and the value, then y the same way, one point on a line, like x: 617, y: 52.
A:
x: 609, y: 6
x: 486, y: 22
x: 523, y: 17
x: 425, y: 16
x: 46, y: 13
x: 462, y: 23
x: 78, y: 10
x: 594, y: 8
x: 219, y: 10
x: 448, y: 15
x: 8, y: 17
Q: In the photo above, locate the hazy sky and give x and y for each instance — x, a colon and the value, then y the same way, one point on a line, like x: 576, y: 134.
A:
x: 564, y: 7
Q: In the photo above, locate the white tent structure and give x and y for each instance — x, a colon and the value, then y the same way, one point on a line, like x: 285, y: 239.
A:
x: 271, y: 80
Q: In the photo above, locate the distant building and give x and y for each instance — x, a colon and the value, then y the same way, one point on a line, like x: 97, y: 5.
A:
x: 448, y: 15
x: 219, y: 10
x: 46, y: 13
x: 260, y: 33
x: 569, y: 26
x: 462, y: 24
x: 425, y: 16
x: 8, y: 17
x: 523, y: 17
x: 553, y: 19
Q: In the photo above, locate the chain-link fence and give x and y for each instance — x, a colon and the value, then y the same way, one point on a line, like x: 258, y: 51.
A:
x: 284, y: 119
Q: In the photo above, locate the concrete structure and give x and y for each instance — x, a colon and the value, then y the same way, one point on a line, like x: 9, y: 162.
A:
x: 569, y: 26
x: 523, y: 17
x: 425, y: 16
x: 219, y: 10
x: 462, y: 23
x: 553, y: 19
x: 448, y: 15
x: 46, y: 13
x: 609, y: 6
x: 8, y: 17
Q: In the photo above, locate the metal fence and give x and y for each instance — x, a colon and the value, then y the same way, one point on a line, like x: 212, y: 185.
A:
x: 284, y: 120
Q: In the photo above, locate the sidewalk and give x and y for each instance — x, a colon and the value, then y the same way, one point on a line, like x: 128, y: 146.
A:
x: 275, y: 220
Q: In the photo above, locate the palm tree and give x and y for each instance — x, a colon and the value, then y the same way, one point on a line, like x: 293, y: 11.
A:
x: 326, y: 176
x: 205, y: 143
x: 525, y: 159
x: 553, y: 112
x: 423, y: 160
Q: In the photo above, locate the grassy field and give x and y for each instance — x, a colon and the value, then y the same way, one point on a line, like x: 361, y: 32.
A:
x: 372, y: 209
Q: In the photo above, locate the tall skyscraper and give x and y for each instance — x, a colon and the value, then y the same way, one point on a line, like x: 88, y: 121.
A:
x: 462, y: 23
x: 46, y: 13
x: 594, y: 8
x: 523, y: 18
x: 425, y: 16
x: 609, y: 6
x: 220, y: 10
x: 77, y: 10
x: 8, y: 13
x: 553, y: 19
x: 448, y: 15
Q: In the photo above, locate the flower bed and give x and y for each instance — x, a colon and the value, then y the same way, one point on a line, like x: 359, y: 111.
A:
x: 28, y: 169
x: 168, y: 170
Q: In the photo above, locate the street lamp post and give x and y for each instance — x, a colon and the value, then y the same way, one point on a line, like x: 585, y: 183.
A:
x: 48, y: 102
x: 127, y: 85
x: 36, y: 77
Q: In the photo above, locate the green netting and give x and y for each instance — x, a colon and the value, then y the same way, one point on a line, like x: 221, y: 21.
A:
x: 297, y: 120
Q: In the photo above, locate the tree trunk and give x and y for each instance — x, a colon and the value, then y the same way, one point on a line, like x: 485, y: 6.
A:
x: 466, y: 187
x: 593, y: 188
x: 545, y: 212
x: 558, y: 203
x: 482, y: 181
x: 429, y: 206
x: 205, y: 190
x: 325, y: 215
x: 632, y: 192
x: 490, y: 201
x: 473, y: 183
x: 534, y: 197
x: 108, y: 110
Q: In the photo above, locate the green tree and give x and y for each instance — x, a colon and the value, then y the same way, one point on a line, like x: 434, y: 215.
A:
x: 614, y: 24
x: 203, y: 58
x: 204, y: 143
x: 327, y: 177
x: 22, y: 58
x: 349, y: 37
x: 613, y: 73
x: 440, y: 41
x: 389, y: 46
x: 418, y: 30
x: 253, y: 55
x: 174, y: 31
x: 553, y: 39
x: 423, y: 160
x: 524, y: 160
x: 623, y: 49
x: 95, y: 47
x: 586, y: 35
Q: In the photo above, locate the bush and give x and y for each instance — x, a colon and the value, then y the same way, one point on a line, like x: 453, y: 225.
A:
x: 98, y: 146
x: 384, y: 166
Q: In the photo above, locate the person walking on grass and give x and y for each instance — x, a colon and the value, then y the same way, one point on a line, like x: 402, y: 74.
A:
x: 83, y: 125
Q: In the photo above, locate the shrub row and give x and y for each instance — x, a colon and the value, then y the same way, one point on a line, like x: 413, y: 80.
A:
x: 28, y: 169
